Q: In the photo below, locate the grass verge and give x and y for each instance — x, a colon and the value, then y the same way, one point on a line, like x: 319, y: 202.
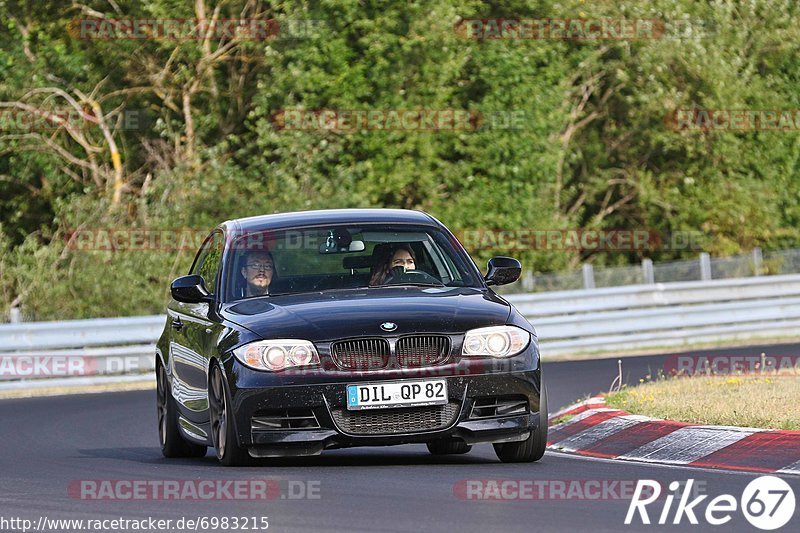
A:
x: 759, y: 401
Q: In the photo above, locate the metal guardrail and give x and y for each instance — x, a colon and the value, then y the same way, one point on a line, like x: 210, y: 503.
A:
x: 669, y: 315
x: 79, y: 347
x: 81, y: 333
x: 704, y: 268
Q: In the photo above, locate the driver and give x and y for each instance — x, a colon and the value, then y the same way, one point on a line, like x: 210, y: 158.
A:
x: 400, y: 255
x: 257, y: 270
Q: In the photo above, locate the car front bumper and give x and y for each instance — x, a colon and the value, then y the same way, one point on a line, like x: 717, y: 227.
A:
x: 319, y: 406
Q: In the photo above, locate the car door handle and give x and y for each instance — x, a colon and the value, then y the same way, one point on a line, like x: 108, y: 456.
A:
x: 177, y: 324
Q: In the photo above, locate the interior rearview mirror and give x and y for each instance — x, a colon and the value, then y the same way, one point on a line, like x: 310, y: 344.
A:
x: 340, y: 241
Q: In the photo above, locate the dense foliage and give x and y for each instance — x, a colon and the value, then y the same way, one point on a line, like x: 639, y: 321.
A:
x: 574, y: 133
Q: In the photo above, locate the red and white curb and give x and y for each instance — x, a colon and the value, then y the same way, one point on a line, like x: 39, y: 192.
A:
x: 598, y: 431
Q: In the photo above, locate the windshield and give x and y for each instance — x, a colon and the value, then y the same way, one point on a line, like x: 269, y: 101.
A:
x: 344, y: 257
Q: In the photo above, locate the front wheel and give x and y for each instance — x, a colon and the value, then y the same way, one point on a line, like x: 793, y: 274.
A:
x: 229, y: 453
x: 532, y: 448
x: 172, y: 442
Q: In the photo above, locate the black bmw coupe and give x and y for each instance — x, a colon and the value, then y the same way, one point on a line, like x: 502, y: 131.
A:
x: 298, y: 332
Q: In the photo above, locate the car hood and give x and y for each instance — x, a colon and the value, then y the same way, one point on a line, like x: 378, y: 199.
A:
x: 334, y: 315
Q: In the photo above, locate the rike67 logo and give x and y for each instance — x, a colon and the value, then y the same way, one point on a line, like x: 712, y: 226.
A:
x: 767, y: 502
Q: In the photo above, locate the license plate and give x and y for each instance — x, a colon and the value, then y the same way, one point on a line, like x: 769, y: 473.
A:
x: 396, y: 394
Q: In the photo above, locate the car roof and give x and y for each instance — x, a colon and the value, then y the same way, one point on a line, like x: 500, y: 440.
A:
x: 330, y: 216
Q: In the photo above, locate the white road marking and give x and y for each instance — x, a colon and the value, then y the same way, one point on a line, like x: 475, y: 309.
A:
x: 648, y: 465
x: 688, y: 444
x: 791, y: 469
x: 597, y: 400
x: 586, y: 438
x: 582, y: 416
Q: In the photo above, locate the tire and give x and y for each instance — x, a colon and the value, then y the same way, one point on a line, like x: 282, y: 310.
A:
x: 531, y: 449
x: 223, y: 434
x: 448, y: 447
x: 172, y: 442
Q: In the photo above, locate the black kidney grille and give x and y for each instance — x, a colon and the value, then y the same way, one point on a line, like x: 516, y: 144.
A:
x: 422, y: 350
x: 361, y: 354
x: 393, y: 421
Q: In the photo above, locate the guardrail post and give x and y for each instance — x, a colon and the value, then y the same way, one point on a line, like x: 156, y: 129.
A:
x: 14, y: 315
x: 647, y: 271
x: 588, y: 276
x: 758, y: 259
x: 705, y: 266
x: 528, y: 281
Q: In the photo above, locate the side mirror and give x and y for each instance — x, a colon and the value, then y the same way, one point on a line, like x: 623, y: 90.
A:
x: 190, y: 289
x: 503, y: 270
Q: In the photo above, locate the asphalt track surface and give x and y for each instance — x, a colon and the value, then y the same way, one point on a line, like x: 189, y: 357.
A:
x: 48, y: 443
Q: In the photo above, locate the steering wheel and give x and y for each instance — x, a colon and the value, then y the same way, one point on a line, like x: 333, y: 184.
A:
x: 397, y: 276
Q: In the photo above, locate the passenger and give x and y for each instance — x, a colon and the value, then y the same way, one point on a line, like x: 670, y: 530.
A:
x: 257, y: 271
x: 400, y: 255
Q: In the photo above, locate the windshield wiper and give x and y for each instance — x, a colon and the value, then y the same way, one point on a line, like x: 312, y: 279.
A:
x: 411, y: 284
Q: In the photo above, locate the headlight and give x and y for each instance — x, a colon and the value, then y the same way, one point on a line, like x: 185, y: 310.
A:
x: 278, y: 354
x: 495, y: 341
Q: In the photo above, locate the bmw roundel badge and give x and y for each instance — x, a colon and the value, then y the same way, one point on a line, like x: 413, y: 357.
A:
x: 388, y: 326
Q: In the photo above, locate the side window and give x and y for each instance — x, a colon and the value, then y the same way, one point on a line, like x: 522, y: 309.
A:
x: 207, y: 263
x: 444, y: 264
